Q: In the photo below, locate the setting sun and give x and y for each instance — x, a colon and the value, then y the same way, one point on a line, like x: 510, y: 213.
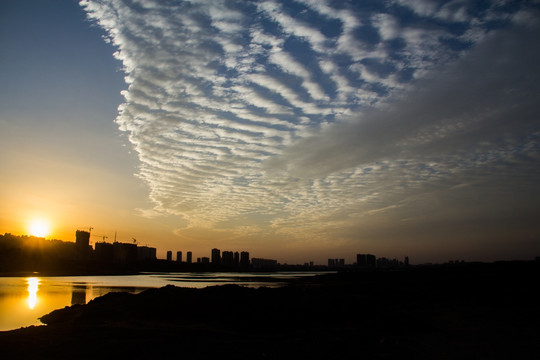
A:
x: 39, y: 228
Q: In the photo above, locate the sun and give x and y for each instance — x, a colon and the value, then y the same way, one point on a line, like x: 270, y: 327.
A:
x: 39, y: 228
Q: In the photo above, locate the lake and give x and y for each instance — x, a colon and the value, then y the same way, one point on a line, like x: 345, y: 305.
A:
x: 24, y: 299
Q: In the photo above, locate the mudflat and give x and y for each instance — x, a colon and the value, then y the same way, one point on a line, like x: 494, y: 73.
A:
x: 471, y: 311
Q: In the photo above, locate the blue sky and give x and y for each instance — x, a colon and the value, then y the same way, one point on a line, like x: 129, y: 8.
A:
x: 290, y: 128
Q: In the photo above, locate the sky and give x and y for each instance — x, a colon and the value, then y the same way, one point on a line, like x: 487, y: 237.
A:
x: 295, y: 130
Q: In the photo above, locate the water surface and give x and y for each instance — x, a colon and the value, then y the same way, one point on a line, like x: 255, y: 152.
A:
x: 24, y: 299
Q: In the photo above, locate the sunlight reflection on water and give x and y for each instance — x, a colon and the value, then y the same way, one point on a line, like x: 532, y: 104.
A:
x: 33, y: 284
x: 24, y: 299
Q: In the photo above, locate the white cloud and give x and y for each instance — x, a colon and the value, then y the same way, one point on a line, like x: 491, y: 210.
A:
x: 290, y: 65
x: 293, y: 27
x: 463, y: 116
x: 222, y: 113
x: 420, y: 7
x: 387, y: 25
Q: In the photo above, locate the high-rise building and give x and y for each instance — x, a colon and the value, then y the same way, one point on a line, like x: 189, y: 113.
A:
x: 124, y: 252
x: 361, y: 260
x: 366, y: 260
x: 236, y: 260
x: 188, y: 257
x: 146, y: 253
x: 336, y: 262
x: 169, y: 255
x: 227, y: 258
x: 179, y: 256
x: 82, y: 244
x: 371, y: 260
x: 103, y: 252
x: 244, y: 259
x: 216, y: 256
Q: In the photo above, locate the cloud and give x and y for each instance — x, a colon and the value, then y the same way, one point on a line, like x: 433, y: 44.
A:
x: 295, y: 111
x: 474, y: 123
x: 488, y: 96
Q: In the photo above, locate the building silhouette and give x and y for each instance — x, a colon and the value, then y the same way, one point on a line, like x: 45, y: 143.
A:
x: 145, y: 253
x: 263, y: 263
x: 391, y: 263
x: 169, y: 255
x: 334, y: 263
x: 216, y: 257
x: 124, y: 252
x: 366, y: 260
x: 244, y: 259
x: 371, y: 260
x: 188, y: 257
x: 227, y: 258
x: 179, y: 256
x: 236, y: 259
x: 104, y: 252
x: 331, y: 262
x: 82, y: 244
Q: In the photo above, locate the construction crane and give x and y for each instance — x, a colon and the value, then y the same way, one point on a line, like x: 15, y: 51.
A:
x: 102, y: 236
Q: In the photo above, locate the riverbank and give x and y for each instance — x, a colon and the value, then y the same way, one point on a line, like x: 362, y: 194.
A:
x: 482, y: 312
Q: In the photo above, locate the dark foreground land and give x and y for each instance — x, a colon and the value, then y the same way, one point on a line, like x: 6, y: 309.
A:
x: 482, y: 311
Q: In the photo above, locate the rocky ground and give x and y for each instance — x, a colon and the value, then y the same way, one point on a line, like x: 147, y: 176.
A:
x: 482, y: 311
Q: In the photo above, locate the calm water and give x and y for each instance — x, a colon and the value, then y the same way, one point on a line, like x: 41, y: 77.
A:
x: 24, y: 299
